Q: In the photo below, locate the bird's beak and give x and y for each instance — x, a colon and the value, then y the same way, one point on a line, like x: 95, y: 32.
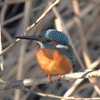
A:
x: 31, y: 38
x: 28, y: 37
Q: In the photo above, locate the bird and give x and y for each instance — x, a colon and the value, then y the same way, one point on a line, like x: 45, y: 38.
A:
x: 55, y: 54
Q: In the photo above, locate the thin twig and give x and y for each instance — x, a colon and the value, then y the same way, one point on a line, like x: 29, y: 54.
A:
x: 42, y: 80
x: 27, y: 94
x: 7, y: 35
x: 46, y: 95
x: 1, y: 57
x: 21, y: 15
x: 30, y: 27
x: 57, y: 97
x: 72, y: 88
x: 81, y: 32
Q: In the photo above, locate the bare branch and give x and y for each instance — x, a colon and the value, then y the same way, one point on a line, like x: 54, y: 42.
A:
x: 55, y: 96
x: 42, y: 80
x: 1, y: 57
x: 45, y: 95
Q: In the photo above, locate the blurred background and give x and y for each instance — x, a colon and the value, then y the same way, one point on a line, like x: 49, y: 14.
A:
x: 78, y: 19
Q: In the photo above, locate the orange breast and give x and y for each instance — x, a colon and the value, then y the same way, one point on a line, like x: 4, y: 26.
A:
x: 53, y: 62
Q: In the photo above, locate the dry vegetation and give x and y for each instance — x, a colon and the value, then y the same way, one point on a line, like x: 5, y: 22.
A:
x: 79, y: 20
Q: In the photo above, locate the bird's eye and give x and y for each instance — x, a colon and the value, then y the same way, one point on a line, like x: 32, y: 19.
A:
x: 44, y: 40
x: 47, y: 40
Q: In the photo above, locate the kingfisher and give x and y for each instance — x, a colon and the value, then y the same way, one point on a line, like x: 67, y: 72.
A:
x: 55, y: 54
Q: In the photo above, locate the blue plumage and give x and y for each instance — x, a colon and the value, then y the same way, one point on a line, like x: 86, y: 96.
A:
x: 60, y: 38
x: 56, y: 36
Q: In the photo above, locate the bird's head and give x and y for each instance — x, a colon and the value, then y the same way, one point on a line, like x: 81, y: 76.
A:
x: 53, y: 39
x: 49, y: 39
x: 52, y: 35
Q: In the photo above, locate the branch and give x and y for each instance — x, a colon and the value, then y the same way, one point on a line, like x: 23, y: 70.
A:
x: 42, y: 80
x: 30, y: 27
x: 57, y: 97
x: 1, y: 57
x: 46, y: 95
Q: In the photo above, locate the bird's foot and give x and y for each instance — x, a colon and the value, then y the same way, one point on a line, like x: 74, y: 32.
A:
x: 59, y: 77
x: 49, y: 78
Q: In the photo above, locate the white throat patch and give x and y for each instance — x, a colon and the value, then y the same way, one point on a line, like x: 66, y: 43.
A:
x: 41, y: 44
